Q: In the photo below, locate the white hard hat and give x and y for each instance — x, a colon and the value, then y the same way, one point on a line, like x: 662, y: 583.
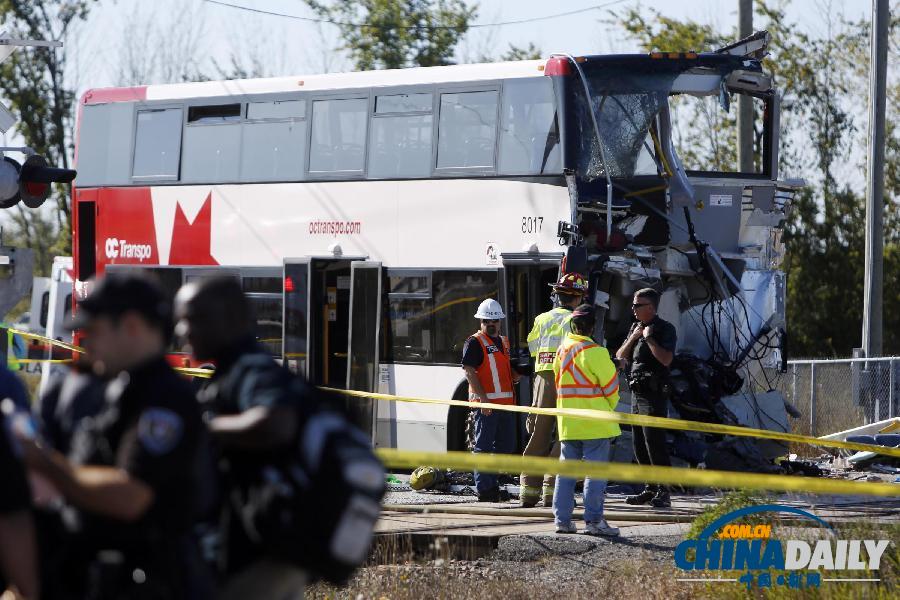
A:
x: 490, y: 309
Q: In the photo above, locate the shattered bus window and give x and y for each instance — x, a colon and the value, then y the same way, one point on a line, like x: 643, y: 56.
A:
x: 625, y: 107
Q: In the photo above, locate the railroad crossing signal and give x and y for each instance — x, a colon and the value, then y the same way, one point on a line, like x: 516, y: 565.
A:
x: 29, y: 182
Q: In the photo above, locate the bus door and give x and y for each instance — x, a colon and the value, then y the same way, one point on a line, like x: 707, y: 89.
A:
x: 526, y: 283
x: 317, y: 318
x: 365, y: 322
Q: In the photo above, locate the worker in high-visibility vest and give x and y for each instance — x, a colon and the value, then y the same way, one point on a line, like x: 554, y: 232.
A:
x: 547, y: 334
x: 585, y: 379
x: 491, y: 380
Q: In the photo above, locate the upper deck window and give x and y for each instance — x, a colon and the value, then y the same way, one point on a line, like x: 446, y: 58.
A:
x: 403, y: 103
x: 212, y: 144
x: 467, y: 130
x: 529, y: 137
x: 285, y: 109
x: 218, y: 113
x: 157, y: 143
x: 400, y: 144
x: 338, y: 135
x: 274, y: 142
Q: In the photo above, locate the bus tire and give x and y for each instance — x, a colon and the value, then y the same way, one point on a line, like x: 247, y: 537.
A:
x: 457, y: 422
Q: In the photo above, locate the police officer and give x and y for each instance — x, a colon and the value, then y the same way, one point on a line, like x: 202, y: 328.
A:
x: 546, y: 335
x: 253, y: 414
x: 491, y: 380
x: 137, y: 476
x: 649, y: 350
x: 18, y: 548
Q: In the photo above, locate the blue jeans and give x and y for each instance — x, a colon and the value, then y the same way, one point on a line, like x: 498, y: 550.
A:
x: 594, y: 489
x: 493, y: 433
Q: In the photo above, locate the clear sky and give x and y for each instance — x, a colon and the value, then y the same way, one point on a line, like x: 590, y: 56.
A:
x: 198, y: 30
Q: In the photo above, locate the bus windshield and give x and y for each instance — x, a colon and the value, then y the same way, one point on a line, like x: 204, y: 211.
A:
x: 625, y: 106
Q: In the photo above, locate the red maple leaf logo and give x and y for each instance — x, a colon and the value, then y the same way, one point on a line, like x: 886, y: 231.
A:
x: 191, y: 242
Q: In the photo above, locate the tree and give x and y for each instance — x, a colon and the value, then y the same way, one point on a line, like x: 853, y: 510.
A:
x: 529, y: 52
x: 393, y: 34
x: 33, y: 81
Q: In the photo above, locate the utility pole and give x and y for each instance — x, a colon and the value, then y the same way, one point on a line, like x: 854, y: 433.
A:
x: 873, y: 288
x: 745, y: 103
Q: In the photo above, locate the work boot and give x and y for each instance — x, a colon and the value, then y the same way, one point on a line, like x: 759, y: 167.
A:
x: 547, y: 494
x: 661, y: 499
x: 494, y: 495
x: 643, y: 498
x: 529, y: 496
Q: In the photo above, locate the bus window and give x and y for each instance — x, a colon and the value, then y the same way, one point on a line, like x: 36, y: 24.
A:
x: 274, y: 141
x: 273, y: 151
x: 212, y: 144
x: 467, y: 130
x: 529, y: 139
x: 217, y: 113
x: 284, y: 109
x: 400, y: 144
x: 157, y: 143
x: 457, y: 295
x: 338, y: 135
x: 429, y: 314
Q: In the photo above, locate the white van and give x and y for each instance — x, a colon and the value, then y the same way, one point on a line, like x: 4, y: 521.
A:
x: 58, y: 309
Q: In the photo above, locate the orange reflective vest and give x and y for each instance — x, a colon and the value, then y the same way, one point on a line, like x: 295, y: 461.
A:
x: 585, y: 378
x: 495, y: 371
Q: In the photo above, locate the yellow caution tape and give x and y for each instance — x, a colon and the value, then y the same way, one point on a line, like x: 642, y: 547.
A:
x: 638, y: 420
x: 533, y: 465
x: 203, y: 373
x: 52, y: 361
x: 50, y: 341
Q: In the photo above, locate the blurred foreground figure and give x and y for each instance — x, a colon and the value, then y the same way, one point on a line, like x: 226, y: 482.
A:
x: 302, y: 485
x: 18, y: 550
x: 135, y: 479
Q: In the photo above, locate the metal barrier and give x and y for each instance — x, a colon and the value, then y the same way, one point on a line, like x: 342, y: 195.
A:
x: 839, y: 394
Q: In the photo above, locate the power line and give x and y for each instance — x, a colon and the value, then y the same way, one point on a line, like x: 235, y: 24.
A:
x: 473, y: 26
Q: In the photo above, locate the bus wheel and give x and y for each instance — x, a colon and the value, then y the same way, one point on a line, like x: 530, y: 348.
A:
x: 457, y: 429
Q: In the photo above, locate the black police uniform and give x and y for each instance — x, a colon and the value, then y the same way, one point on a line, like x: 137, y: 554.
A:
x: 15, y: 496
x: 151, y: 427
x: 246, y: 377
x: 649, y: 382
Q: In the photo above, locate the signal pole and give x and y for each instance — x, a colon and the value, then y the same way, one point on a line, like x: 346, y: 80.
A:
x: 745, y: 103
x: 873, y: 286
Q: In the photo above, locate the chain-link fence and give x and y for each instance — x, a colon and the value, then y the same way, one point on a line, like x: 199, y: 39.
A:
x: 840, y: 394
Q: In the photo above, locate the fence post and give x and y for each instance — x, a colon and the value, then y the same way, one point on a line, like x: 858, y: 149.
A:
x: 891, y: 407
x: 812, y: 399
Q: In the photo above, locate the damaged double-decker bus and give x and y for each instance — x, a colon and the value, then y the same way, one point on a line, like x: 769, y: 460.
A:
x: 368, y: 214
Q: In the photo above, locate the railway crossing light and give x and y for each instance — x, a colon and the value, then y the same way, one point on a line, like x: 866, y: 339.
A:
x: 29, y: 182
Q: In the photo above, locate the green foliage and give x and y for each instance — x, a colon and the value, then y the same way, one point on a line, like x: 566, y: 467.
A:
x: 393, y: 34
x: 824, y: 83
x: 529, y: 52
x: 32, y: 81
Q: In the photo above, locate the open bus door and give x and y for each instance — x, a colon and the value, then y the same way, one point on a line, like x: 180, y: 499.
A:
x: 365, y: 321
x: 526, y: 277
x: 317, y: 318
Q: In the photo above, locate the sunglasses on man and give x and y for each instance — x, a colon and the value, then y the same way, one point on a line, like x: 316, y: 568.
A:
x: 490, y: 320
x: 640, y: 305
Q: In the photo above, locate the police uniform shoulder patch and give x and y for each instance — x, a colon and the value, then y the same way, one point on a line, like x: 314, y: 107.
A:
x: 159, y: 430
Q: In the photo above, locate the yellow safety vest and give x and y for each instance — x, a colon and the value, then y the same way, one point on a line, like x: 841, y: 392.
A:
x: 547, y: 334
x: 12, y: 361
x: 585, y: 378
